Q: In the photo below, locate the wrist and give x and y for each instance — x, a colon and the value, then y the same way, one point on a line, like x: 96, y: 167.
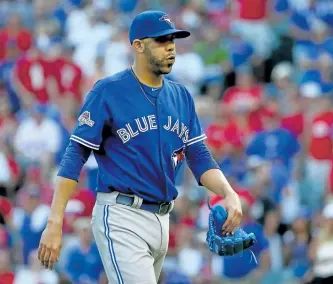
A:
x: 55, y: 222
x: 230, y: 193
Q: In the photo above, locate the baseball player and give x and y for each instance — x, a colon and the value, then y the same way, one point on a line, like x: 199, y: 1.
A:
x: 141, y: 127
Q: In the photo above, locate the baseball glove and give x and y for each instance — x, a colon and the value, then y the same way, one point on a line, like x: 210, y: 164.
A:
x: 222, y: 244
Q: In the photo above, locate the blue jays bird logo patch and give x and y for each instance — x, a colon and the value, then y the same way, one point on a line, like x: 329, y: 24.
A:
x: 177, y: 156
x: 85, y: 119
x: 166, y: 19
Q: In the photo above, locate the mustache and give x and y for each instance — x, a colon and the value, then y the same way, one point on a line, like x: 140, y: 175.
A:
x: 171, y: 56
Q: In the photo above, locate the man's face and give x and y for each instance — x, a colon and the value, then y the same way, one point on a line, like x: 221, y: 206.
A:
x: 160, y: 53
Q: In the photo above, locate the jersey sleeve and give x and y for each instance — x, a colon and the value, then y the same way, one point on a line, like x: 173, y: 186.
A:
x: 89, y: 127
x: 196, y: 133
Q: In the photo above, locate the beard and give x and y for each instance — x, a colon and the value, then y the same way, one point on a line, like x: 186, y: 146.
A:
x: 159, y: 67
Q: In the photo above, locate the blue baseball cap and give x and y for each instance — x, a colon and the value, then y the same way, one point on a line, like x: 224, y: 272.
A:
x: 152, y: 24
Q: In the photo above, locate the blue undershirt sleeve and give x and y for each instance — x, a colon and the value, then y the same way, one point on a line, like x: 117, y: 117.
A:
x: 75, y: 157
x: 199, y: 159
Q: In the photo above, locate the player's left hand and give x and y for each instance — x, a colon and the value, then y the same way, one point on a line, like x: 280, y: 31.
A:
x: 232, y: 205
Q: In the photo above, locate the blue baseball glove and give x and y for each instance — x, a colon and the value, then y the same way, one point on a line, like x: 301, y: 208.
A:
x: 222, y: 244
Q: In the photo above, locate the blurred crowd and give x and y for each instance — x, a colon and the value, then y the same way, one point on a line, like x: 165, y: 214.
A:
x: 261, y: 75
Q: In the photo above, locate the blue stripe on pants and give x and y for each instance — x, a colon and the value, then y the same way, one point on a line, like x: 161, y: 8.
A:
x: 110, y: 244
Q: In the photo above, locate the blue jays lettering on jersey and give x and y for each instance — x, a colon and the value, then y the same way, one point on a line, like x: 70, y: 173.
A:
x: 139, y: 143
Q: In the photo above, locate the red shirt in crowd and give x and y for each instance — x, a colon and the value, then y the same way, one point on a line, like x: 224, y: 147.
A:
x: 217, y: 135
x: 321, y: 144
x: 69, y: 78
x: 236, y: 97
x: 294, y: 123
x: 251, y: 9
x: 23, y: 40
x: 243, y: 193
x: 4, y: 237
x: 230, y: 134
x: 80, y: 205
x: 33, y: 73
x: 240, y: 133
x: 330, y: 179
x: 7, y: 277
x: 6, y: 207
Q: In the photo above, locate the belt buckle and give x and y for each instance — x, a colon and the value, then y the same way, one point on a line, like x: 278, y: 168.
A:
x: 164, y: 208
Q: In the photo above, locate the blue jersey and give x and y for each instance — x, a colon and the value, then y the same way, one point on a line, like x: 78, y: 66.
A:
x: 6, y: 70
x: 278, y: 144
x: 139, y: 135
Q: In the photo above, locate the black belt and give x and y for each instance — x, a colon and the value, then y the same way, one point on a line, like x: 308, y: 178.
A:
x: 158, y: 208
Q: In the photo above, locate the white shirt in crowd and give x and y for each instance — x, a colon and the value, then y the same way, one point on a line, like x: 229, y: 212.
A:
x: 116, y: 57
x: 34, y: 140
x: 189, y: 69
x: 86, y: 36
x: 27, y: 276
x: 38, y: 217
x: 5, y: 170
x: 275, y: 251
x: 190, y: 261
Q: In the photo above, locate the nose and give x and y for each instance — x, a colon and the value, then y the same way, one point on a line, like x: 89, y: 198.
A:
x: 170, y: 46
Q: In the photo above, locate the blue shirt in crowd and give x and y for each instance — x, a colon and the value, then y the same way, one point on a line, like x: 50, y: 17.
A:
x: 84, y: 267
x: 278, y: 144
x: 6, y: 68
x: 315, y: 76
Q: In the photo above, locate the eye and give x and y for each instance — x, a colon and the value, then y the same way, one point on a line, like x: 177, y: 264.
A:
x: 164, y: 39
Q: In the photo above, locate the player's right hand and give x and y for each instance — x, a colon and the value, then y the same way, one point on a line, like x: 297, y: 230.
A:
x: 50, y: 245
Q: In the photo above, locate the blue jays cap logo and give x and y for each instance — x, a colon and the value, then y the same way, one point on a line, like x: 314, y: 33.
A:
x: 177, y: 156
x: 85, y: 119
x: 166, y: 19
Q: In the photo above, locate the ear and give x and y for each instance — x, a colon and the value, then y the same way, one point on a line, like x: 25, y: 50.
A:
x: 139, y: 45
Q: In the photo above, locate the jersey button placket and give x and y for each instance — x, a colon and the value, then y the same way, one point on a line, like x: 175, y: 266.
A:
x: 159, y: 116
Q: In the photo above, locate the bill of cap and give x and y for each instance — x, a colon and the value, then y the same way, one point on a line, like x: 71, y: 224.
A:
x: 175, y: 32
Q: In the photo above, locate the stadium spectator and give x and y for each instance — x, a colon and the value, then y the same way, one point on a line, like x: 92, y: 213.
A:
x: 6, y: 78
x: 116, y: 51
x: 33, y: 77
x: 252, y: 20
x: 274, y: 143
x: 240, y: 51
x: 234, y: 161
x: 8, y: 123
x: 68, y: 76
x: 14, y: 37
x: 6, y: 210
x: 321, y: 248
x: 258, y: 181
x: 281, y: 91
x: 6, y: 272
x: 37, y: 140
x: 10, y: 170
x: 296, y: 243
x: 276, y: 252
x: 187, y: 59
x: 34, y: 272
x: 319, y: 151
x: 30, y: 220
x: 219, y: 134
x: 244, y: 101
x: 79, y: 206
x: 99, y: 74
x: 92, y: 33
x: 83, y: 263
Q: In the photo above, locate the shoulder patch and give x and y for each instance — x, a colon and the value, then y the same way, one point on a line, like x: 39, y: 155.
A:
x: 85, y: 119
x: 177, y: 156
